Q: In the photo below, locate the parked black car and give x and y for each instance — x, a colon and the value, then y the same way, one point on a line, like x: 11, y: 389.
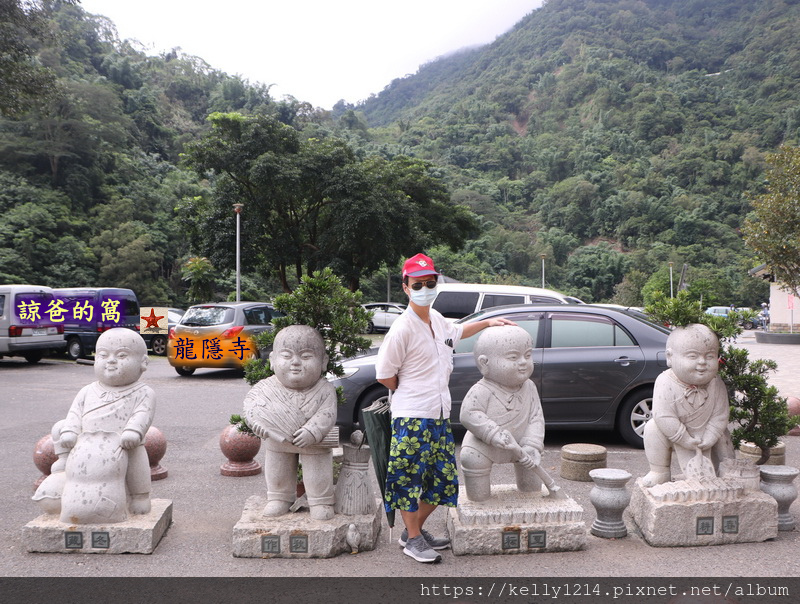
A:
x: 157, y: 342
x: 594, y: 367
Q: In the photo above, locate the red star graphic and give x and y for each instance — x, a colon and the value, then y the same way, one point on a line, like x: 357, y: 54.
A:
x: 152, y: 320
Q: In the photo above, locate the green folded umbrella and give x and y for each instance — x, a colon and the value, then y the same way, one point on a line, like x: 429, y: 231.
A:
x: 378, y: 430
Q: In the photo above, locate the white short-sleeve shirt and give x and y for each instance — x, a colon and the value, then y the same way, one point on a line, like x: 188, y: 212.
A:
x: 422, y: 362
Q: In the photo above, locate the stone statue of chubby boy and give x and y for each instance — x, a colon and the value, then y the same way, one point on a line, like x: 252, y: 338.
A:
x: 690, y: 406
x: 502, y: 413
x: 293, y: 411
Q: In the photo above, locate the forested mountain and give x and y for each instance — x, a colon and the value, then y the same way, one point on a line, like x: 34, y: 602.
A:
x: 612, y: 136
x: 89, y: 176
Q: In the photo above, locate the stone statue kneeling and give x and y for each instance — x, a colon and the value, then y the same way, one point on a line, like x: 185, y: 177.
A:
x: 103, y: 472
x: 293, y: 411
x: 503, y: 415
x: 690, y: 407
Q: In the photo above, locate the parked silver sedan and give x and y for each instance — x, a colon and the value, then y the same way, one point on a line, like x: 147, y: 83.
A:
x: 382, y: 315
x: 594, y: 367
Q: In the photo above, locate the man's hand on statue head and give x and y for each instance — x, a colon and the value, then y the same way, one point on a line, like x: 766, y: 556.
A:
x: 303, y: 438
x: 68, y: 439
x: 130, y: 439
x: 500, y: 322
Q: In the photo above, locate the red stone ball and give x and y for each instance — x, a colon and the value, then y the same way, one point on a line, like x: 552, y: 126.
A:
x: 44, y: 454
x: 238, y: 446
x: 793, y: 403
x: 155, y: 444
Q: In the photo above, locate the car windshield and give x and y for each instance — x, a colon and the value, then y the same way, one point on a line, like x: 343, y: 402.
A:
x: 204, y: 316
x: 644, y: 318
x: 474, y: 316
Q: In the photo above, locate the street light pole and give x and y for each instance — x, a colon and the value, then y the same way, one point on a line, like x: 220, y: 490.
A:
x: 542, y: 271
x: 237, y: 208
x: 670, y: 280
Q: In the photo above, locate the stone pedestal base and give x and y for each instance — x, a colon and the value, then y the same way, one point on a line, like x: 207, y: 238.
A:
x: 515, y: 523
x: 692, y: 513
x: 297, y: 535
x: 139, y: 534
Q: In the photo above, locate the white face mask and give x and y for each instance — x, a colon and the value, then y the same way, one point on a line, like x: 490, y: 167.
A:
x: 424, y: 296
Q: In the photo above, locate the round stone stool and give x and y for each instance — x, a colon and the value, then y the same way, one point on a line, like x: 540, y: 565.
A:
x: 609, y: 498
x: 777, y: 456
x: 577, y: 460
x: 777, y: 482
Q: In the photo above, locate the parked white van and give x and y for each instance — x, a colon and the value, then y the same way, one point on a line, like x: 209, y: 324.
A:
x: 33, y: 334
x: 457, y: 300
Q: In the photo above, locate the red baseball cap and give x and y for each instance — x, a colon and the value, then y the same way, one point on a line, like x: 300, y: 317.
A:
x: 419, y: 266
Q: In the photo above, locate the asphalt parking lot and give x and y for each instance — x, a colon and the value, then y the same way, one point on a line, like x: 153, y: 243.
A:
x: 192, y: 412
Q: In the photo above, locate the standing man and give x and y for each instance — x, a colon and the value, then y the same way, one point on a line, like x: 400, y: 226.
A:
x: 415, y: 361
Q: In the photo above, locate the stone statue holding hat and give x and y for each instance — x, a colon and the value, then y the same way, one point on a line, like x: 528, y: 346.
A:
x: 293, y: 411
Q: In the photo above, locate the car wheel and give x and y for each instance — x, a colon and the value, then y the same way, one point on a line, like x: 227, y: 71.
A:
x: 250, y: 355
x: 634, y: 413
x: 378, y: 393
x: 159, y: 345
x: 370, y: 327
x: 749, y: 325
x: 34, y: 357
x: 185, y: 371
x: 74, y: 348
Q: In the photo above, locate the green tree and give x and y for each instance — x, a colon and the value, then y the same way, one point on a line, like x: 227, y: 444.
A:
x: 40, y: 237
x: 129, y: 258
x: 773, y: 229
x: 24, y: 82
x: 628, y: 292
x: 594, y: 271
x: 199, y: 272
x: 312, y: 202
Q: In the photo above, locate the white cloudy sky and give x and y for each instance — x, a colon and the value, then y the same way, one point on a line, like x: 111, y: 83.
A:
x: 315, y: 50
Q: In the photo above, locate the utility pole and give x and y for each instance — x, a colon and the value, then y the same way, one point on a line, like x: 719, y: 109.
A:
x: 543, y: 256
x: 671, y: 295
x: 237, y: 208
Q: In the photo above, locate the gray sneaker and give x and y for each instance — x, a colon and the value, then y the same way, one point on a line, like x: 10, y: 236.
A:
x: 434, y: 542
x: 419, y: 549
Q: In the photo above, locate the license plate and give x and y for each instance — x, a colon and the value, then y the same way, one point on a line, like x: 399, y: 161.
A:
x: 40, y: 331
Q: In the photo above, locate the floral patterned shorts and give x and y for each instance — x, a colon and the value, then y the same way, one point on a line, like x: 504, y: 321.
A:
x: 422, y: 464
